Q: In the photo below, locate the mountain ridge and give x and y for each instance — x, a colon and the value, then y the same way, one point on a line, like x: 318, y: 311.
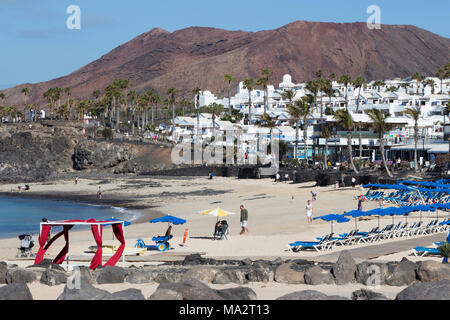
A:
x: 200, y: 56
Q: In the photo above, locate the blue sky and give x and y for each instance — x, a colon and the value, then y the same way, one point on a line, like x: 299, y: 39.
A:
x: 37, y: 46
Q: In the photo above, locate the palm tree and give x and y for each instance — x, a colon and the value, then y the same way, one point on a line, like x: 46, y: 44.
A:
x: 68, y: 93
x: 25, y: 92
x: 429, y: 82
x: 263, y: 81
x: 446, y: 111
x: 345, y: 120
x: 288, y: 95
x: 414, y: 113
x: 155, y: 99
x: 197, y: 92
x: 215, y: 109
x: 358, y: 83
x: 329, y: 91
x: 270, y: 122
x: 441, y: 75
x: 325, y: 133
x: 172, y: 92
x: 345, y: 80
x: 405, y: 86
x: 305, y: 108
x: 419, y: 79
x: 229, y: 79
x: 381, y: 126
x: 294, y: 112
x: 249, y: 84
x: 131, y: 99
x: 313, y: 87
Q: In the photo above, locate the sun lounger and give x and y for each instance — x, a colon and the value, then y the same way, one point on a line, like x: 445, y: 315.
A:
x: 422, y: 251
x: 316, y: 245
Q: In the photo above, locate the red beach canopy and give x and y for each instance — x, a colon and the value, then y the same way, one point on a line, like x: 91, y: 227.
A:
x: 97, y: 231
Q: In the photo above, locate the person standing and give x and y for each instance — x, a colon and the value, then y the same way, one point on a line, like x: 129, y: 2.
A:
x: 76, y: 180
x: 99, y: 193
x: 244, y: 219
x: 309, y: 211
x: 360, y: 201
x: 353, y: 182
x: 314, y: 195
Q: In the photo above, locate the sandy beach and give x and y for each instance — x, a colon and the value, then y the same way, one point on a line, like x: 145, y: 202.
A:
x: 277, y: 216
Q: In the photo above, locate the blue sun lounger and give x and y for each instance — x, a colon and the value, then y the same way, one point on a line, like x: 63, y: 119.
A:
x: 316, y: 245
x: 422, y: 251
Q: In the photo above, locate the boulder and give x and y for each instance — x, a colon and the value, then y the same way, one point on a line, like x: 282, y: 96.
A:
x: 316, y: 275
x: 344, y: 269
x: 3, y: 268
x: 166, y: 294
x: 309, y: 295
x: 189, y: 290
x: 140, y: 275
x: 364, y: 294
x: 234, y: 275
x: 85, y: 292
x: 46, y: 264
x: 52, y: 277
x: 202, y: 273
x: 90, y: 154
x: 403, y: 274
x: 286, y: 273
x: 111, y: 275
x: 128, y: 294
x: 260, y: 271
x: 15, y: 291
x: 193, y: 259
x: 169, y: 275
x: 438, y: 290
x: 430, y: 271
x: 371, y: 274
x: 15, y: 275
x: 239, y: 293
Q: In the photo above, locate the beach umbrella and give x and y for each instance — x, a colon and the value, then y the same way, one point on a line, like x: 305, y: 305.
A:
x: 333, y: 217
x: 170, y: 219
x: 216, y: 213
x: 354, y: 214
x: 376, y: 212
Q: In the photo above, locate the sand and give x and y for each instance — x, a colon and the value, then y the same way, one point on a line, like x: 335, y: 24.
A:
x: 277, y: 217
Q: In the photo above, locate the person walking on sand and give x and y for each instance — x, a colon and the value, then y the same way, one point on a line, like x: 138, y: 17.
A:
x: 313, y: 195
x: 353, y: 182
x: 360, y: 201
x: 244, y: 219
x: 76, y: 180
x: 309, y: 211
x: 99, y: 193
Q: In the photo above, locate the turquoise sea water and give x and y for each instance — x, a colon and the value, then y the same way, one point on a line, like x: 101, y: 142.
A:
x: 23, y: 215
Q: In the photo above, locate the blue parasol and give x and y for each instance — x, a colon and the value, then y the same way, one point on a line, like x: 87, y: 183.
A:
x: 354, y: 214
x: 125, y: 223
x: 333, y: 217
x: 170, y: 219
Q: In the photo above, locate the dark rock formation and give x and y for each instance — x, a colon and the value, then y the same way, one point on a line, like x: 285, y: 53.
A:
x: 344, y: 269
x: 367, y: 295
x: 403, y: 274
x: 15, y: 291
x: 430, y: 271
x: 112, y: 275
x: 15, y: 275
x: 439, y: 290
x: 310, y: 295
x: 316, y: 275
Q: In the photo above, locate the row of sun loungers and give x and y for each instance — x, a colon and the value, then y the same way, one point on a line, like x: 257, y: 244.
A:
x: 390, y: 231
x: 407, y: 198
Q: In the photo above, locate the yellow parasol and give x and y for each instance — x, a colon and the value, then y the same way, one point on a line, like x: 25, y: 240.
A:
x: 216, y: 213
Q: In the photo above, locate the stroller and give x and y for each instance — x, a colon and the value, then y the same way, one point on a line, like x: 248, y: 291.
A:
x: 221, y: 230
x: 26, y: 245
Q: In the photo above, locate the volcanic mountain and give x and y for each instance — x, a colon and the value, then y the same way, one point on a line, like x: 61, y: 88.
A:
x: 199, y: 57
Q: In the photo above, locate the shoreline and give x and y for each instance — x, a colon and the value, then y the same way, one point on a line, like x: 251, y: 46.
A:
x: 140, y: 213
